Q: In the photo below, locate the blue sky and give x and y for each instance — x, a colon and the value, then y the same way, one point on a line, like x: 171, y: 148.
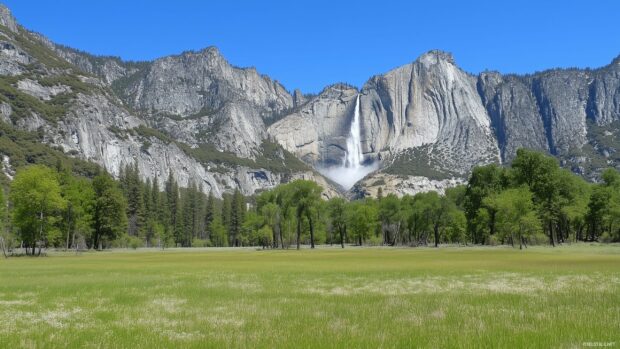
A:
x: 310, y: 44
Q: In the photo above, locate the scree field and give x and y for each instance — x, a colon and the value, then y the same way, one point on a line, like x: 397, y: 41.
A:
x: 565, y: 297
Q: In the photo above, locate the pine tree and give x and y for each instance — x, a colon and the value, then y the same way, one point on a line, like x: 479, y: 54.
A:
x: 226, y: 215
x: 172, y: 206
x: 209, y: 215
x: 237, y: 213
x: 135, y: 201
x: 199, y: 212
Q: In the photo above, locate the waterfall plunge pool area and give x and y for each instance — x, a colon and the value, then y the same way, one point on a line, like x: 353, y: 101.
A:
x: 353, y: 167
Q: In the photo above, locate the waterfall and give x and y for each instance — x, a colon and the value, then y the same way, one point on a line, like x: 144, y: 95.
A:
x: 352, y: 168
x: 354, y: 156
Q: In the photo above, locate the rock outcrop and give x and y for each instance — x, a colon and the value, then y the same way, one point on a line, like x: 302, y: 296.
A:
x: 317, y: 132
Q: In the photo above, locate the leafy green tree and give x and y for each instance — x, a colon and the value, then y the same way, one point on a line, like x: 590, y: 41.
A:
x: 540, y: 173
x: 271, y: 216
x: 456, y: 229
x: 390, y: 217
x: 109, y: 210
x: 483, y: 182
x: 337, y: 214
x: 436, y: 209
x: 4, y: 238
x: 304, y: 197
x: 597, y: 210
x: 515, y: 214
x: 572, y: 215
x: 37, y: 205
x: 218, y: 232
x: 362, y: 218
x: 77, y: 215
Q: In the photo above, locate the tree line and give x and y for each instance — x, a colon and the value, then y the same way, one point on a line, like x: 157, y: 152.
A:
x: 533, y: 201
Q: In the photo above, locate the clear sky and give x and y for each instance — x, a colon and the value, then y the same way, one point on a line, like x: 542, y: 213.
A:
x: 310, y: 44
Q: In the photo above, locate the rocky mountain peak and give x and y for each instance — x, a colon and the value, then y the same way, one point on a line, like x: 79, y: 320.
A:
x: 434, y: 57
x: 7, y: 19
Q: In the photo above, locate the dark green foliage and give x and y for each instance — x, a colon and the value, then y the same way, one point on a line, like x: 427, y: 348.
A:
x: 109, y: 217
x: 237, y: 215
x: 133, y: 190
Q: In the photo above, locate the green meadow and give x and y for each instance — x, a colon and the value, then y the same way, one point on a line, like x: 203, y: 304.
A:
x: 478, y: 297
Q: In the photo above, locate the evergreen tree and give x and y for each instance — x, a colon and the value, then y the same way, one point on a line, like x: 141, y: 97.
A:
x: 109, y: 210
x: 135, y: 200
x: 237, y: 212
x: 209, y: 215
x: 172, y: 207
x: 226, y: 215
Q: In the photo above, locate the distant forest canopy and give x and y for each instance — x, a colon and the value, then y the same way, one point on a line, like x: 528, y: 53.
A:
x: 532, y: 202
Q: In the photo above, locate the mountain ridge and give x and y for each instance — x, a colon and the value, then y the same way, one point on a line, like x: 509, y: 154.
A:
x: 209, y: 122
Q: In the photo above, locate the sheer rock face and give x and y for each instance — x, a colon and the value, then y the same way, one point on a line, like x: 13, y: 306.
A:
x: 514, y: 114
x: 604, y: 89
x: 317, y: 132
x: 210, y: 100
x: 7, y: 19
x: 428, y: 102
x: 193, y: 81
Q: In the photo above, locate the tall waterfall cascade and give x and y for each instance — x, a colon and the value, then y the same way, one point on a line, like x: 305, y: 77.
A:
x: 354, y: 156
x: 353, y: 167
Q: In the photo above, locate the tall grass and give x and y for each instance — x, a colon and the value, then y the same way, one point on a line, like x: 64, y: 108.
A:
x: 352, y: 298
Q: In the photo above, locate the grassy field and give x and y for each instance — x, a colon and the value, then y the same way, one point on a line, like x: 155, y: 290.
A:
x: 567, y: 297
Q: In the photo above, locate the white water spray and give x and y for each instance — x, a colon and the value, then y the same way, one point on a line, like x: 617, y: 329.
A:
x: 354, y: 156
x: 353, y: 168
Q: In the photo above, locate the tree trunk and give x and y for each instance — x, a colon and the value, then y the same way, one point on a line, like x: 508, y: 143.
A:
x: 68, y: 233
x: 436, y: 231
x: 280, y: 234
x: 3, y: 248
x: 311, y: 231
x: 40, y: 233
x: 298, y: 231
x: 552, y: 240
x: 341, y: 230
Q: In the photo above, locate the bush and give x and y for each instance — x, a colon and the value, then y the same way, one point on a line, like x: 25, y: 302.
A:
x: 605, y: 237
x: 538, y: 239
x: 493, y: 240
x: 134, y: 242
x: 196, y: 242
x: 374, y: 240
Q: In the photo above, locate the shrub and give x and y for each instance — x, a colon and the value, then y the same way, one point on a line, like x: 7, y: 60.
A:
x: 196, y: 242
x: 374, y: 240
x: 135, y: 242
x: 493, y: 240
x: 538, y: 239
